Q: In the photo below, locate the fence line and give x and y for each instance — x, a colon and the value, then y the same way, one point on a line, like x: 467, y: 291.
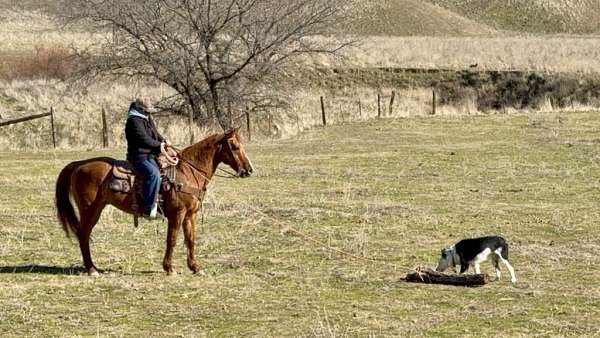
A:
x: 35, y: 117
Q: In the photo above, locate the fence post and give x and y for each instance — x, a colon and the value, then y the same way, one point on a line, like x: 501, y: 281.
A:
x: 433, y: 103
x: 392, y: 103
x: 323, y: 111
x: 52, y: 126
x: 191, y: 125
x: 270, y: 122
x: 248, y: 128
x: 104, y: 129
x: 378, y: 105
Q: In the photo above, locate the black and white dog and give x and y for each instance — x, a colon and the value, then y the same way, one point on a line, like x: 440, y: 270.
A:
x: 475, y: 251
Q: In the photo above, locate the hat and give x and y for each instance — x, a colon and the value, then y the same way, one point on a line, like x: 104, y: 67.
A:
x: 145, y: 105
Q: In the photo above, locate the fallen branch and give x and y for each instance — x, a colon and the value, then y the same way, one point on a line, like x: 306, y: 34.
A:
x: 429, y: 276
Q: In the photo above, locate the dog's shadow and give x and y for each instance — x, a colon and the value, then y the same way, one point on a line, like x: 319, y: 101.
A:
x: 43, y: 269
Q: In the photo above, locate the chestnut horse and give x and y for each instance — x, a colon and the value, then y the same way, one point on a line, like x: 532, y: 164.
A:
x: 87, y: 183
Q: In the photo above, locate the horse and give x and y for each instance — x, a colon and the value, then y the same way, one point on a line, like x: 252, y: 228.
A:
x: 86, y: 182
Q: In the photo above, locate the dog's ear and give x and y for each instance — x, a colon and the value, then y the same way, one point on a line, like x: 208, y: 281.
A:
x: 443, y: 252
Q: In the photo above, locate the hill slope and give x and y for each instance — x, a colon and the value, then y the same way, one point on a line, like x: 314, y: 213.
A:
x: 534, y: 16
x: 411, y: 17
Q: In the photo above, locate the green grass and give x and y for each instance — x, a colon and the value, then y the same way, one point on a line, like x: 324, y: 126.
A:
x: 395, y: 190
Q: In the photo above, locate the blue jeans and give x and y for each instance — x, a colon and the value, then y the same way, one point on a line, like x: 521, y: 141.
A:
x: 150, y: 175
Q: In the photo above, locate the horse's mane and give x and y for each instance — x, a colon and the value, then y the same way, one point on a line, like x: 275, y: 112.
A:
x: 194, y: 151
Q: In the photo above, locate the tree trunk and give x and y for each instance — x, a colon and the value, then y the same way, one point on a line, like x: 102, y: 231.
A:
x: 428, y: 276
x: 217, y: 112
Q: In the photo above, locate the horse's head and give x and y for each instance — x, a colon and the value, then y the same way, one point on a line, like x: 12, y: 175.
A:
x: 233, y: 154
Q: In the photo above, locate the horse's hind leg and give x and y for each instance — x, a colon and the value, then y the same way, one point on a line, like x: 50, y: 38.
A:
x: 89, y: 218
x: 188, y: 231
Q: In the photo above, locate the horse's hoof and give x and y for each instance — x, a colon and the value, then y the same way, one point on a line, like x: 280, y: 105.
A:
x: 199, y: 272
x: 171, y: 273
x: 93, y: 272
x: 195, y: 267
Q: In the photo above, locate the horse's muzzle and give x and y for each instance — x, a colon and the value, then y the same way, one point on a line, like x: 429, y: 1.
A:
x: 245, y: 173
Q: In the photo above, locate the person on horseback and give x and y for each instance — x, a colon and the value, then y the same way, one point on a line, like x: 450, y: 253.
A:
x: 144, y: 142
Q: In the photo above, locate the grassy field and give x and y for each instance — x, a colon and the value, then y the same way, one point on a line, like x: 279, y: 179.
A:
x: 396, y: 191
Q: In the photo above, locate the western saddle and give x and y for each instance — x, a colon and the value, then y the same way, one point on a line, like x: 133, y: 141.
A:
x: 123, y: 179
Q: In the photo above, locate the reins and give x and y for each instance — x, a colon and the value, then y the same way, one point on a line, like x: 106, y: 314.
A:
x: 229, y: 174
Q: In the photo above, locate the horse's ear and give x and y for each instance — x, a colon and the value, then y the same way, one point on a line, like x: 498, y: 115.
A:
x: 226, y: 135
x: 231, y: 132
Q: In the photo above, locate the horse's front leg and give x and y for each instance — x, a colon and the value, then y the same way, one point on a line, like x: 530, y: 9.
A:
x: 175, y: 221
x: 190, y: 240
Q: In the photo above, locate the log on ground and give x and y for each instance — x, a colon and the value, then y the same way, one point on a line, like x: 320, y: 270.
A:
x: 429, y: 276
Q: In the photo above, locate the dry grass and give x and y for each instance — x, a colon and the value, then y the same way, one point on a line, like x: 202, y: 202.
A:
x: 527, y: 53
x: 408, y: 18
x: 78, y: 113
x: 398, y: 189
x: 536, y: 16
x: 78, y: 110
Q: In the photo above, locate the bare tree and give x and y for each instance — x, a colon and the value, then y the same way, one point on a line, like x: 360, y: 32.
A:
x: 212, y: 52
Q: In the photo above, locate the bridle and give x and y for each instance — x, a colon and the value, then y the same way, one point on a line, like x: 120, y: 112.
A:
x: 229, y: 174
x: 203, y: 174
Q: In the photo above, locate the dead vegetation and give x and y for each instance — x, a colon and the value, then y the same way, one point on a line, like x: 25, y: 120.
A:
x: 396, y: 190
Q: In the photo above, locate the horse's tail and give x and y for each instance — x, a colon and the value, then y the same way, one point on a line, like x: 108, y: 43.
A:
x: 64, y: 208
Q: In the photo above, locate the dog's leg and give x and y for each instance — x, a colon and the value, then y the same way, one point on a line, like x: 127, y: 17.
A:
x: 513, y: 278
x: 482, y: 257
x: 496, y: 264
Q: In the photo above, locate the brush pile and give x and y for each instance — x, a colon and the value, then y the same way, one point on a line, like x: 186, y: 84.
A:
x: 429, y: 276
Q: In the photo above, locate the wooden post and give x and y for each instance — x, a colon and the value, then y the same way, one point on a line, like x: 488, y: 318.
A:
x: 323, y: 112
x: 359, y: 109
x: 392, y: 103
x: 191, y: 125
x: 270, y: 122
x: 248, y: 129
x: 52, y: 126
x: 104, y: 129
x: 433, y: 103
x: 378, y: 105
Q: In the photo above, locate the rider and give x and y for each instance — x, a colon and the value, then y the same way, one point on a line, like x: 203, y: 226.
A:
x: 144, y: 142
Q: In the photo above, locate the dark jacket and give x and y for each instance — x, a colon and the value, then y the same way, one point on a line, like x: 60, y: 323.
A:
x: 142, y: 137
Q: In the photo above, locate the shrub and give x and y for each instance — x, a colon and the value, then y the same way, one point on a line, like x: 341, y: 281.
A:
x: 43, y: 62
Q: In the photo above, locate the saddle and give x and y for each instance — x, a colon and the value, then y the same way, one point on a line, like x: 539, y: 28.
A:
x: 123, y: 177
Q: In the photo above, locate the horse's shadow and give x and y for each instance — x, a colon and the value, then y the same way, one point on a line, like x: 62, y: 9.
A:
x: 43, y: 269
x: 59, y: 270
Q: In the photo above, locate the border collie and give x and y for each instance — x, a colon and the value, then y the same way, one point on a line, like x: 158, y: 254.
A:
x: 475, y: 251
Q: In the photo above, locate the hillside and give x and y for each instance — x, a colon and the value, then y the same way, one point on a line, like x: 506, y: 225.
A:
x: 409, y: 18
x: 533, y: 16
